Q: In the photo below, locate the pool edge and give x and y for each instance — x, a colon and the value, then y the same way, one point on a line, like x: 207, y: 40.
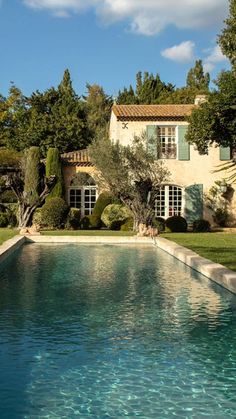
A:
x: 10, y: 246
x: 214, y: 271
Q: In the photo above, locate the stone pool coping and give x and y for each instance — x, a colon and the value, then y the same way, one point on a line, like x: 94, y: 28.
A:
x: 214, y: 271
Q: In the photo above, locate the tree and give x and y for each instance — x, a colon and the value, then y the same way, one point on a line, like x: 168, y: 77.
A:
x: 98, y: 106
x: 215, y: 120
x: 54, y: 118
x: 54, y: 168
x: 227, y: 38
x: 196, y: 79
x: 131, y: 174
x: 30, y: 188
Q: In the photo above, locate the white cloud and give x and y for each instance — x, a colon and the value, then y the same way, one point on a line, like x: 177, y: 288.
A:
x: 182, y: 53
x: 145, y: 17
x: 214, y: 57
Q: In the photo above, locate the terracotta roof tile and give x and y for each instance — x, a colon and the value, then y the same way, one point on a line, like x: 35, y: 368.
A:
x: 77, y: 158
x: 150, y: 112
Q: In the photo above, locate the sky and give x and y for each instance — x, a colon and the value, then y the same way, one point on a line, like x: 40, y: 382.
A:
x: 107, y: 41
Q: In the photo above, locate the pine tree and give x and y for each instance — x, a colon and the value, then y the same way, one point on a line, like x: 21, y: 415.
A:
x: 227, y: 39
x: 98, y: 107
x: 196, y: 79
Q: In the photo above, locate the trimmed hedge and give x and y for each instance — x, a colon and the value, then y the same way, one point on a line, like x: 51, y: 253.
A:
x: 104, y: 199
x: 54, y: 212
x: 201, y: 226
x: 128, y: 225
x: 176, y: 224
x: 115, y: 215
x: 73, y: 219
x: 159, y: 223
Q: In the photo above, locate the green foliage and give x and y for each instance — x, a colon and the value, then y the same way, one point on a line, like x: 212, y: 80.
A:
x: 104, y: 199
x: 3, y: 220
x: 37, y: 217
x: 201, y: 226
x: 221, y: 217
x: 32, y: 175
x: 115, y: 215
x: 227, y: 39
x: 196, y: 79
x: 215, y: 120
x: 98, y: 106
x: 176, y: 224
x: 9, y: 158
x: 73, y: 219
x: 8, y: 196
x: 159, y: 223
x: 128, y: 225
x: 54, y: 167
x: 54, y: 212
x: 85, y: 223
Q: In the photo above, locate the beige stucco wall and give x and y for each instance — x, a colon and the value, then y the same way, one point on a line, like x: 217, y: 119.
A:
x: 198, y: 170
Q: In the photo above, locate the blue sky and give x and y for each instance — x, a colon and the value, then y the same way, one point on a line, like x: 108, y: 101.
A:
x: 106, y: 41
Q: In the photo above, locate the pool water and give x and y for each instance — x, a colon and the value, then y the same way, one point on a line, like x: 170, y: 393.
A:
x: 112, y: 332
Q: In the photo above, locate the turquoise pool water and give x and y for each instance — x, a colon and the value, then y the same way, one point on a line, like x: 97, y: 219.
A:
x: 113, y: 332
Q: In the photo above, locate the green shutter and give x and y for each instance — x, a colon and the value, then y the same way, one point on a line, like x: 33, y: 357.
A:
x: 183, y: 146
x: 152, y: 140
x: 224, y: 153
x: 193, y: 202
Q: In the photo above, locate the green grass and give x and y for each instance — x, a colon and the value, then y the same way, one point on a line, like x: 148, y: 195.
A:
x: 6, y: 233
x: 218, y: 247
x: 87, y: 233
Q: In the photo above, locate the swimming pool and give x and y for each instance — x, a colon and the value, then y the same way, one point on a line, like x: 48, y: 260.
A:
x: 113, y: 331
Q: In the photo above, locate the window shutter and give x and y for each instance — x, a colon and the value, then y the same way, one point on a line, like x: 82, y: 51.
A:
x: 183, y: 146
x: 152, y: 140
x: 224, y: 153
x: 193, y: 202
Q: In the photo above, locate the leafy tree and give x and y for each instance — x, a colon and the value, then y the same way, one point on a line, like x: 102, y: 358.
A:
x: 131, y: 174
x: 98, y: 106
x: 215, y: 120
x: 127, y: 96
x: 227, y: 38
x: 197, y: 79
x: 55, y: 118
x: 54, y: 167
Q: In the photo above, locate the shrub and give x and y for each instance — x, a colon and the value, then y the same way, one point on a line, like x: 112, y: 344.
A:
x: 176, y: 224
x: 115, y: 215
x: 37, y: 217
x: 221, y: 217
x: 128, y: 225
x: 159, y: 223
x: 8, y: 197
x: 54, y: 212
x: 201, y: 225
x: 3, y: 219
x: 104, y: 199
x: 73, y: 219
x: 85, y: 223
x: 95, y: 222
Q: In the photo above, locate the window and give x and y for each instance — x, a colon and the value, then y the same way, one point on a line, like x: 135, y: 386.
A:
x: 169, y: 201
x: 167, y: 144
x: 83, y: 193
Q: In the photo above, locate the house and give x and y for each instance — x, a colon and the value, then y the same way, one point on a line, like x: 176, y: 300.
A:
x: 165, y: 126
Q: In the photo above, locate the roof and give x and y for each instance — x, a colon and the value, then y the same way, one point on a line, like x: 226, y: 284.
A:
x: 152, y: 112
x: 77, y: 158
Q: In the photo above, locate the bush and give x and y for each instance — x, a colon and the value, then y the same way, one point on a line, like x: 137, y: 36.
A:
x: 104, y: 199
x: 73, y: 219
x: 128, y: 225
x: 95, y: 222
x: 54, y: 212
x: 37, y: 217
x: 3, y: 219
x: 177, y: 224
x: 8, y: 197
x: 221, y: 217
x: 85, y: 223
x: 115, y: 215
x: 159, y: 223
x: 201, y: 226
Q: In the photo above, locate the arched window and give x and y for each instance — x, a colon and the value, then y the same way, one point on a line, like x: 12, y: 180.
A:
x: 83, y: 193
x: 169, y: 201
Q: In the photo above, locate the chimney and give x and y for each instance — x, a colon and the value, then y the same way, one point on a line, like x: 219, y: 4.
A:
x: 199, y: 99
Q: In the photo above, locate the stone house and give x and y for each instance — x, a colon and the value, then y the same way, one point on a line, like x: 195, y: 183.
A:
x: 192, y: 174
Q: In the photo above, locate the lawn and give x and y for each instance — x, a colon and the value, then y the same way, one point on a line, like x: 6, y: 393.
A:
x: 218, y: 247
x: 87, y: 233
x: 6, y: 233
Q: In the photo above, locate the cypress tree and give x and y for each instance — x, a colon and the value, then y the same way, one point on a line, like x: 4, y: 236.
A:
x: 32, y: 175
x: 53, y: 167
